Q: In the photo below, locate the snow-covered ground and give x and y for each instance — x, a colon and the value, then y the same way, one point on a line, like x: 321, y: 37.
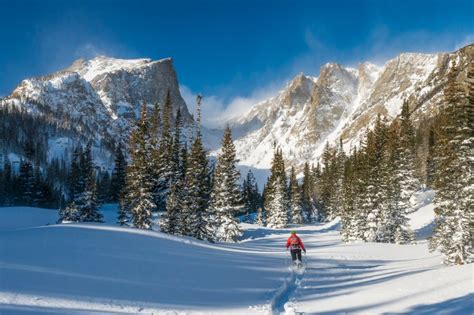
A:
x: 101, y: 268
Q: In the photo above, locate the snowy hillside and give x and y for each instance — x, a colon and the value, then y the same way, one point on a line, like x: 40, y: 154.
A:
x: 86, y: 268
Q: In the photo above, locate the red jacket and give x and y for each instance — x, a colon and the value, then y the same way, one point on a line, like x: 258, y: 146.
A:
x: 300, y: 243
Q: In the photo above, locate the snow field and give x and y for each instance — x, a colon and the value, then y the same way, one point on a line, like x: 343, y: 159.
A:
x: 102, y: 268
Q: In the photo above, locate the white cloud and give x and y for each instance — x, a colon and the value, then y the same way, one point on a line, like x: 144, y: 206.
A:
x: 216, y: 111
x: 88, y: 51
x: 467, y: 40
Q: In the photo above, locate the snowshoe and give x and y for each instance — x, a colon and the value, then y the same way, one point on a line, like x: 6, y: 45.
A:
x: 297, y: 264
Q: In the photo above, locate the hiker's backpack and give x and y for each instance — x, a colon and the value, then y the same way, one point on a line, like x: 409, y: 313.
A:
x: 294, y: 242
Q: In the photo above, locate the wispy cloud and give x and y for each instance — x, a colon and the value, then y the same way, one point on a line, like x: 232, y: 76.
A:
x: 467, y: 40
x: 216, y: 111
x: 88, y: 51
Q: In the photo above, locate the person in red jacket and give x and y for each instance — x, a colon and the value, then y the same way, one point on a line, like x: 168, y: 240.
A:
x: 295, y: 244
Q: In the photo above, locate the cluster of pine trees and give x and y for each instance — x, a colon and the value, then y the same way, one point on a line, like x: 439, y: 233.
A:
x: 375, y: 188
x: 84, y: 202
x: 27, y: 186
x: 285, y: 200
x: 172, y: 174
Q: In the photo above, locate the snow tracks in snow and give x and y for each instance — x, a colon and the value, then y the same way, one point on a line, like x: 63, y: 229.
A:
x: 281, y: 302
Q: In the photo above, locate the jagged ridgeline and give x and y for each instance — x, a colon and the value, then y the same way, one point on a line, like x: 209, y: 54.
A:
x: 98, y: 101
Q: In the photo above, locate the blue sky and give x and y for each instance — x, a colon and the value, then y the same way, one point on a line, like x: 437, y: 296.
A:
x: 230, y: 51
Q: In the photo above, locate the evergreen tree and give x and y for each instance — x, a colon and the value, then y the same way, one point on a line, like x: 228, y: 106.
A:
x: 377, y: 180
x: 408, y: 180
x: 328, y: 182
x: 103, y: 186
x: 170, y: 221
x: 139, y: 182
x: 123, y: 217
x: 118, y: 174
x: 430, y: 163
x: 196, y: 218
x: 69, y: 214
x: 166, y: 165
x: 7, y: 182
x: 87, y: 202
x: 395, y: 227
x: 76, y: 177
x: 337, y: 171
x: 226, y: 201
x: 26, y: 183
x: 251, y: 196
x: 348, y: 213
x: 309, y: 210
x: 454, y: 180
x: 296, y: 202
x: 276, y: 195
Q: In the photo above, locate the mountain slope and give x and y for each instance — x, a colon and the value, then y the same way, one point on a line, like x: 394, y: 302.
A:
x: 97, y: 100
x: 342, y: 103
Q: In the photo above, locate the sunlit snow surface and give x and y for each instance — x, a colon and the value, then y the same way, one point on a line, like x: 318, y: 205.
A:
x: 100, y: 268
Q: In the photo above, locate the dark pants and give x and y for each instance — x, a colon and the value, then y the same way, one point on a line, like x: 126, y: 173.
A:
x: 295, y: 253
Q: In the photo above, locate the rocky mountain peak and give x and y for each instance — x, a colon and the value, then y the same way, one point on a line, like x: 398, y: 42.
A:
x: 298, y: 91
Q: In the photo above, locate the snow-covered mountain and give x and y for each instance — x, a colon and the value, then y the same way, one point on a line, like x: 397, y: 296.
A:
x: 341, y: 103
x: 98, y: 99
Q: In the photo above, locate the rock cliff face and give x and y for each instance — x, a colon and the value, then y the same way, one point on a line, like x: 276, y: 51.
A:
x: 342, y: 103
x: 100, y: 99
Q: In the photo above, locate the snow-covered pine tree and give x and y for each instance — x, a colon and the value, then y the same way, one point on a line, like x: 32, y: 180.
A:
x: 409, y: 183
x: 375, y: 204
x: 196, y: 219
x: 309, y: 210
x: 348, y: 212
x: 118, y: 174
x: 327, y: 183
x: 430, y: 164
x: 88, y: 202
x: 454, y: 176
x: 166, y: 156
x: 296, y: 202
x: 395, y: 221
x: 277, y: 197
x: 139, y: 184
x: 226, y: 201
x: 69, y: 214
x: 278, y: 205
x: 251, y: 196
x: 245, y: 200
x: 170, y: 220
x: 156, y: 169
x: 123, y: 217
x: 337, y: 166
